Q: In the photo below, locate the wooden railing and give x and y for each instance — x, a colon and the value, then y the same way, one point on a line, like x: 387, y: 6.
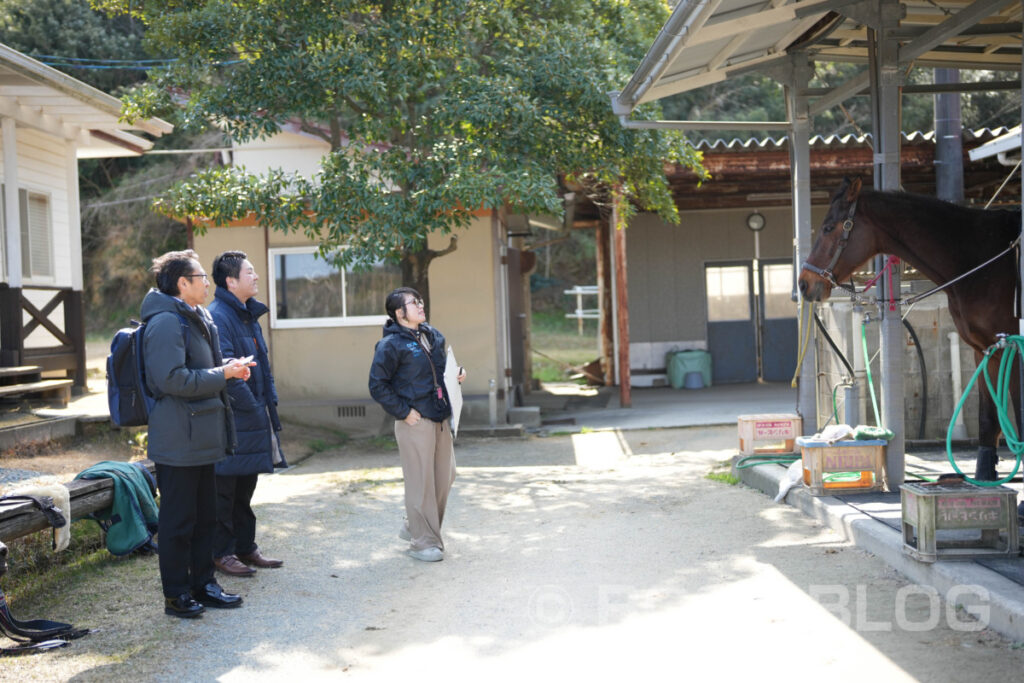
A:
x: 68, y: 354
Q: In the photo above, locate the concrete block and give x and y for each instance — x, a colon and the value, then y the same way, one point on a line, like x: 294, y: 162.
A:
x: 528, y: 416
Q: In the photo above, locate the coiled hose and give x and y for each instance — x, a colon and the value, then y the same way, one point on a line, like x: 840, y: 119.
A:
x: 1011, y: 346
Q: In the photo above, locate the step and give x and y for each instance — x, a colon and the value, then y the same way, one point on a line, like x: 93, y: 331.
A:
x: 36, y: 431
x: 19, y: 370
x: 60, y: 388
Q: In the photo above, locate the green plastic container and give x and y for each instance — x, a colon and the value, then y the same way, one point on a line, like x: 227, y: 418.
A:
x: 682, y: 362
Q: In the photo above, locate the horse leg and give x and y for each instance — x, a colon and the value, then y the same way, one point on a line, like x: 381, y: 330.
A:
x: 988, y: 432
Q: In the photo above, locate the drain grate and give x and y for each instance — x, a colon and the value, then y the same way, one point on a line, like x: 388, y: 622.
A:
x: 351, y: 411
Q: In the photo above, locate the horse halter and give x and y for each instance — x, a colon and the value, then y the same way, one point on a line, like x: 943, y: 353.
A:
x: 843, y: 239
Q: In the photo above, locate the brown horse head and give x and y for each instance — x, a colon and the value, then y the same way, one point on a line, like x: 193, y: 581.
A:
x: 840, y: 248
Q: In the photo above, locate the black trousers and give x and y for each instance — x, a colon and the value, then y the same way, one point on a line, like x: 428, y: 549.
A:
x: 187, y: 522
x: 236, y: 522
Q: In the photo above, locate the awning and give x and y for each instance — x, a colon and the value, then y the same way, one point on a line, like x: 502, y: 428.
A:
x: 40, y: 97
x: 709, y: 41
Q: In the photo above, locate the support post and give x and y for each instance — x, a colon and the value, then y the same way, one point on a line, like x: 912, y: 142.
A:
x: 74, y: 327
x: 604, y: 300
x: 800, y: 74
x: 12, y: 343
x: 12, y: 212
x: 501, y: 346
x: 886, y: 79
x: 622, y: 304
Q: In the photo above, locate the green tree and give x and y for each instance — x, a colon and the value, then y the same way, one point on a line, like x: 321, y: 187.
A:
x: 431, y: 108
x: 72, y: 29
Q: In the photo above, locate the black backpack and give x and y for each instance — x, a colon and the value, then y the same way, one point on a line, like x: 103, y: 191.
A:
x: 128, y: 397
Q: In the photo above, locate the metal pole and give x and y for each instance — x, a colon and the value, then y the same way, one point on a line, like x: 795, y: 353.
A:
x: 886, y: 81
x: 800, y: 160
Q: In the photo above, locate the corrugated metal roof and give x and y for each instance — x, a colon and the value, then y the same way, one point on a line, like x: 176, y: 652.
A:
x: 849, y: 140
x: 708, y: 41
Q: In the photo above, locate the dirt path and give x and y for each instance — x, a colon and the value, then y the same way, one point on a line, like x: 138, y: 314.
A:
x: 591, y: 556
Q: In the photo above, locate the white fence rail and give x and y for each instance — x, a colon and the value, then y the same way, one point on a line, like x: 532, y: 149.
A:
x: 581, y: 314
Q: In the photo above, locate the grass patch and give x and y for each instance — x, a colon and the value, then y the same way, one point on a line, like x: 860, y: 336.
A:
x: 318, y: 445
x: 36, y: 570
x: 559, y: 347
x: 724, y: 477
x: 381, y: 443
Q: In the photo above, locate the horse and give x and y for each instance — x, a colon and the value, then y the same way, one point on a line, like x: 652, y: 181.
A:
x: 943, y: 241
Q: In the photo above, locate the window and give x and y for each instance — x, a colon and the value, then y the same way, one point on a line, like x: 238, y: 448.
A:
x: 728, y: 292
x: 36, y: 233
x: 778, y: 291
x: 310, y: 292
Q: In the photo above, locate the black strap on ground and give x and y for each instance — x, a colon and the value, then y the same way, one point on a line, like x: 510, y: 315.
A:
x: 35, y: 635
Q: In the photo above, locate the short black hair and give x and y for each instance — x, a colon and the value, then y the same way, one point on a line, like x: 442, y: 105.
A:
x: 228, y: 264
x: 170, y: 267
x: 396, y: 300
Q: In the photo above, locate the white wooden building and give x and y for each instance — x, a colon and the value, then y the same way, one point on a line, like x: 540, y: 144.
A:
x: 48, y: 121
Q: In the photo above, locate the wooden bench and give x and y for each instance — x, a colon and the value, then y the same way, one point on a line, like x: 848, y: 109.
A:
x: 19, y: 519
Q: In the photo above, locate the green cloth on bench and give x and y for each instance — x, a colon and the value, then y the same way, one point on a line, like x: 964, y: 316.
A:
x: 131, y: 520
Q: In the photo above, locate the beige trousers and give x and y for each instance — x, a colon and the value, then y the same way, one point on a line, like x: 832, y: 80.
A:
x: 428, y: 466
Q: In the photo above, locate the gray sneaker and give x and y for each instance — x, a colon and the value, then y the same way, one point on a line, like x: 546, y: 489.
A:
x: 404, y: 534
x: 427, y: 554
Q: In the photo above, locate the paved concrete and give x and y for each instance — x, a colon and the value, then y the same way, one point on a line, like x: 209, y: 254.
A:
x: 1004, y: 608
x: 571, y: 408
x: 565, y: 410
x: 568, y: 407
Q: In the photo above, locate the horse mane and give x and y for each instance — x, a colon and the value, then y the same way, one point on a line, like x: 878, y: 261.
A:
x: 956, y: 216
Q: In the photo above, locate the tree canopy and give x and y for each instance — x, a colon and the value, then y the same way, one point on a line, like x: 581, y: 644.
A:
x: 432, y: 109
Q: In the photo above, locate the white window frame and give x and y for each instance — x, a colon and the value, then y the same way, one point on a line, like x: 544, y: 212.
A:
x: 33, y: 277
x: 29, y: 277
x: 297, y: 323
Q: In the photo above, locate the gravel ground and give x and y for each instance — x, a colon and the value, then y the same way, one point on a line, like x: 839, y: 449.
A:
x: 597, y: 555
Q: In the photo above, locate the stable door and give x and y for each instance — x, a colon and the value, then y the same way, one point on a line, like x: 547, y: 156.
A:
x: 732, y: 331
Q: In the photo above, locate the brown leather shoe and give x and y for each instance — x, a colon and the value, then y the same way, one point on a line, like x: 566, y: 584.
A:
x: 230, y: 565
x: 256, y: 558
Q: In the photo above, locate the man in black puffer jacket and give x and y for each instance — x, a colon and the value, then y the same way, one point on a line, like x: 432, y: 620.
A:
x: 407, y: 379
x: 190, y: 429
x: 254, y: 405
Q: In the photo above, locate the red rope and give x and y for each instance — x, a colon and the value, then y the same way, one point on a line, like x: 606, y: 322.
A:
x: 889, y: 262
x: 892, y: 297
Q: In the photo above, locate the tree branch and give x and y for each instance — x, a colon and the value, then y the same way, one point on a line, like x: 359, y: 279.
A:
x: 452, y: 246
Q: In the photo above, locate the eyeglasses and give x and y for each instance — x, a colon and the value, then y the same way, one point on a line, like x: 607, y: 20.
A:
x: 202, y: 275
x: 414, y: 302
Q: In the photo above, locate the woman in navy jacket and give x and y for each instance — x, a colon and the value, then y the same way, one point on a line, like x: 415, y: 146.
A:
x: 407, y: 379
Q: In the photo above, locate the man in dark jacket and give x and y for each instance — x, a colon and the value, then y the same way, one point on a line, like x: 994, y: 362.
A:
x: 254, y: 405
x: 407, y: 379
x: 189, y: 429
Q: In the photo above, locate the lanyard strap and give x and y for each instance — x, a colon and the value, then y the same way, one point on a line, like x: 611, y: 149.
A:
x: 433, y: 372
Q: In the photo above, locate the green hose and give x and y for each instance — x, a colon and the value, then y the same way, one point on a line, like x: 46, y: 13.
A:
x: 1010, y: 346
x: 867, y: 367
x: 743, y: 463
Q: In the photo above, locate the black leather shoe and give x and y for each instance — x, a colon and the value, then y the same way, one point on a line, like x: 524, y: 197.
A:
x: 183, y: 606
x: 212, y: 595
